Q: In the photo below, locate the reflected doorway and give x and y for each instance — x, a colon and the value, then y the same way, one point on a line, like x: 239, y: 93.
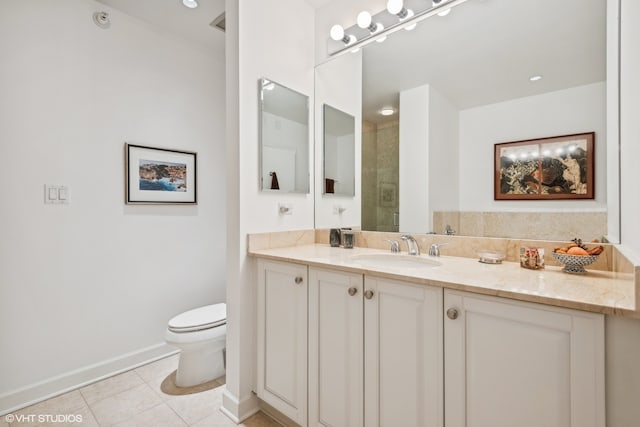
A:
x: 380, y: 176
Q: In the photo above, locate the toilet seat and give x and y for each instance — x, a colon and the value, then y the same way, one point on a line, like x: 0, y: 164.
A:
x: 199, y: 319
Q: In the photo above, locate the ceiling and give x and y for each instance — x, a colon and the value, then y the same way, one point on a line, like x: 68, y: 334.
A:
x: 171, y: 16
x: 484, y: 52
x: 190, y: 24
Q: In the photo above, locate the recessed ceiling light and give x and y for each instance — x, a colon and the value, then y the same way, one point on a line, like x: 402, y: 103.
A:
x: 191, y: 4
x: 387, y: 111
x: 535, y: 78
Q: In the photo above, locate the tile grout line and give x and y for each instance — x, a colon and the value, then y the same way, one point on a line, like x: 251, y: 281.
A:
x: 89, y: 408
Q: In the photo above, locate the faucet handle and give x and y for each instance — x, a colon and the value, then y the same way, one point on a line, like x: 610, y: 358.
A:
x: 434, y: 249
x: 395, y: 245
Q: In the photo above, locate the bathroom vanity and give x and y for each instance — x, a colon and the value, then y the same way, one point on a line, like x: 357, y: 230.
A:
x: 447, y: 341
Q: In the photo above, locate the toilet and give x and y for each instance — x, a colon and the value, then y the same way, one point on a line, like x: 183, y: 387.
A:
x: 200, y: 334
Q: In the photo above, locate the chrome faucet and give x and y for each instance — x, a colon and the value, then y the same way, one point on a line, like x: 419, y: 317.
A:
x: 412, y: 245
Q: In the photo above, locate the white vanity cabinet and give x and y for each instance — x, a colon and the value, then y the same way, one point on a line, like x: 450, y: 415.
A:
x: 340, y: 349
x: 375, y: 352
x: 282, y: 338
x: 510, y: 363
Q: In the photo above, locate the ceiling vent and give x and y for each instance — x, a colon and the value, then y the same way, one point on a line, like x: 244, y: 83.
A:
x: 219, y: 23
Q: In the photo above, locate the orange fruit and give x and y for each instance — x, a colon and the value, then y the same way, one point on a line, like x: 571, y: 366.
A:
x: 577, y: 250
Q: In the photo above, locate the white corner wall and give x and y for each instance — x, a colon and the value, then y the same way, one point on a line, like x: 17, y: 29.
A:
x: 629, y: 123
x: 271, y: 39
x: 414, y: 183
x: 92, y: 284
x: 569, y: 111
x: 338, y: 83
x: 444, y: 128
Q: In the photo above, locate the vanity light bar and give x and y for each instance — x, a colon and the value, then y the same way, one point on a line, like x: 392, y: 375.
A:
x: 337, y: 48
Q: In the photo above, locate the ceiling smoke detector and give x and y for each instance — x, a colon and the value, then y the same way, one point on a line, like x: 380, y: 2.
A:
x: 101, y: 19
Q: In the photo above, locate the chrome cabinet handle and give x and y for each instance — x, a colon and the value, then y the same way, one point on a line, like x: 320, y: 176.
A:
x: 353, y: 290
x: 298, y: 280
x: 452, y: 313
x: 368, y: 294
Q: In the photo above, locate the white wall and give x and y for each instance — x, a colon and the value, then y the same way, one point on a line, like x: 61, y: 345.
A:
x: 265, y: 38
x: 414, y: 176
x: 94, y: 280
x: 629, y: 123
x: 428, y: 157
x: 613, y: 121
x: 576, y: 110
x: 444, y: 129
x: 338, y: 83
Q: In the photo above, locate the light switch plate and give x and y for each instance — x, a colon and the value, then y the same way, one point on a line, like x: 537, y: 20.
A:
x: 56, y: 194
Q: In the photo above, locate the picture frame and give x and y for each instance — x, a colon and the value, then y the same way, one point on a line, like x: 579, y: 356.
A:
x: 553, y: 168
x: 388, y: 195
x: 159, y: 175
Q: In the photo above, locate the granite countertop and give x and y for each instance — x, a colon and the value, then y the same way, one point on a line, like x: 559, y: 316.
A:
x: 596, y: 291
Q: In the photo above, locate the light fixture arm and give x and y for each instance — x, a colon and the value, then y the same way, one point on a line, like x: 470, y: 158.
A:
x: 403, y: 23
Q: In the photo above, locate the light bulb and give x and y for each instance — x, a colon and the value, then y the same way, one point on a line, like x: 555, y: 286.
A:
x: 409, y: 15
x: 337, y: 32
x: 381, y: 39
x: 395, y: 6
x: 364, y: 19
x: 387, y: 111
x: 444, y: 12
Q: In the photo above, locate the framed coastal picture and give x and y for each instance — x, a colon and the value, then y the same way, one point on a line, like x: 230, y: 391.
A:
x: 159, y: 175
x: 559, y: 167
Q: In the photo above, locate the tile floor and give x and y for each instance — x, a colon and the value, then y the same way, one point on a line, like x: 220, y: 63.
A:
x: 144, y: 396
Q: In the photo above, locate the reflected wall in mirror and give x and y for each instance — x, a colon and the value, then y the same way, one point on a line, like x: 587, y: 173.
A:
x: 339, y: 152
x: 284, y: 138
x: 460, y: 84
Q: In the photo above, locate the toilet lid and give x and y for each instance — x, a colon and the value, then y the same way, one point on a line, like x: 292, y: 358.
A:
x: 201, y: 318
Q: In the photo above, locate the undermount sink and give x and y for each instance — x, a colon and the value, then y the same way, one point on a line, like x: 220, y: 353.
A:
x: 393, y: 260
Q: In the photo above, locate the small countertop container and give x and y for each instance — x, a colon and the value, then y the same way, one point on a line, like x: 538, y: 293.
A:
x: 491, y: 257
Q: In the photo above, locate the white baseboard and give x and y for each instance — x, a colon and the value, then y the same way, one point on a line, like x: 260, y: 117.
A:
x: 238, y: 410
x: 60, y: 384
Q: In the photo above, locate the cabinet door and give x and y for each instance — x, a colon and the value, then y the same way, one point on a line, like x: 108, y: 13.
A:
x: 282, y: 338
x: 335, y: 349
x: 509, y: 363
x: 403, y: 354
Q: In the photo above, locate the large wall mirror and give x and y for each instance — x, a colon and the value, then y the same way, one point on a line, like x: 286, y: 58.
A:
x: 284, y: 138
x: 339, y: 130
x: 488, y: 72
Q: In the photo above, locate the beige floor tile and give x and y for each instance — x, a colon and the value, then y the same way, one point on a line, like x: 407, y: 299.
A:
x: 159, y: 368
x: 124, y: 405
x: 195, y: 407
x: 158, y: 416
x: 110, y: 386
